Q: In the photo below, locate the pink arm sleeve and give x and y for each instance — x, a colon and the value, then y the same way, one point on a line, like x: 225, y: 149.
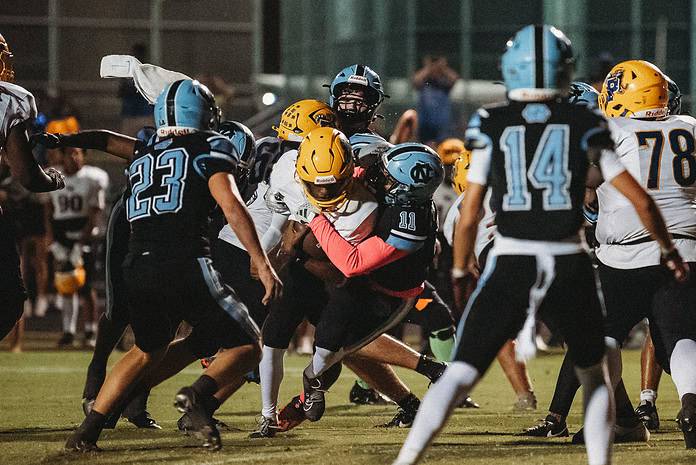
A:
x: 353, y: 260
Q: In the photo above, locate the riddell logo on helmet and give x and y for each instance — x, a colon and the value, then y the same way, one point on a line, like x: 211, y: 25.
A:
x: 355, y: 79
x: 655, y: 113
x: 319, y: 180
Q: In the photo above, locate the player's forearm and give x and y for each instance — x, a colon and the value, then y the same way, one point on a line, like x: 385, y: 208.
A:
x: 106, y: 141
x: 463, y: 242
x: 353, y: 260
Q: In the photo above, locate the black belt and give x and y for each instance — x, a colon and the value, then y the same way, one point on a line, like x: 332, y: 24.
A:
x: 644, y: 240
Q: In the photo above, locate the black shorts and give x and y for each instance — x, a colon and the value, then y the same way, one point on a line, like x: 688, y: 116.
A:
x: 430, y: 311
x: 355, y: 315
x: 117, y: 236
x: 233, y: 264
x: 498, y: 308
x: 162, y: 291
x: 304, y: 296
x: 650, y: 292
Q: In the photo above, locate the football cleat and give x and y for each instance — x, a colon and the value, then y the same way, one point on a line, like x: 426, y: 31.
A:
x: 77, y: 442
x: 647, y: 413
x: 185, y: 425
x: 468, y: 402
x: 292, y: 414
x: 267, y: 428
x: 66, y: 340
x: 361, y: 396
x: 525, y: 403
x: 402, y: 419
x: 688, y: 427
x: 549, y: 427
x: 622, y: 434
x: 188, y: 401
x: 144, y: 420
x: 314, y: 403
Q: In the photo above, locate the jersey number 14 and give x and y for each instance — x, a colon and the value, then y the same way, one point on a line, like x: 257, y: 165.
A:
x: 548, y: 170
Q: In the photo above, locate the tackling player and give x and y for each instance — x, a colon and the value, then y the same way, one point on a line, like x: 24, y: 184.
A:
x: 534, y: 152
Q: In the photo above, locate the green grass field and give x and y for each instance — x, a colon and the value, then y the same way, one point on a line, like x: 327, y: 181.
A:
x: 41, y: 405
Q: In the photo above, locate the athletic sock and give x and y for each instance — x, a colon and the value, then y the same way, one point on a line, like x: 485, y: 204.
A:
x: 648, y: 395
x: 567, y: 386
x: 442, y: 343
x: 599, y: 418
x: 323, y: 359
x: 683, y: 366
x: 362, y: 384
x: 205, y: 386
x: 431, y: 369
x: 92, y: 426
x: 70, y: 311
x: 625, y: 414
x: 410, y: 403
x: 271, y: 375
x: 437, y: 406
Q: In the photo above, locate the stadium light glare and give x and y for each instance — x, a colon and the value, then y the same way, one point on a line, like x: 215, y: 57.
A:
x: 269, y: 98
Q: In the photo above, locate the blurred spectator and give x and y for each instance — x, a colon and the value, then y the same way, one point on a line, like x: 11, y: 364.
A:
x: 434, y: 82
x: 406, y: 129
x: 136, y: 112
x: 600, y: 68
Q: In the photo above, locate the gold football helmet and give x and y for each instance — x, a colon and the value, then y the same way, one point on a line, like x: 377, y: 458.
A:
x: 325, y: 167
x: 450, y: 150
x: 634, y: 89
x: 6, y: 68
x: 69, y: 282
x: 303, y: 116
x: 459, y: 172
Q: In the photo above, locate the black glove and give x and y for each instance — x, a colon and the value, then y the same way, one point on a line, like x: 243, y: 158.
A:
x: 56, y: 177
x: 50, y: 141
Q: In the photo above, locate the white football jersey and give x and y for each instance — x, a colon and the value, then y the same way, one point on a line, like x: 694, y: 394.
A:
x: 82, y: 192
x: 260, y: 214
x: 486, y: 227
x: 16, y: 105
x: 354, y: 220
x: 660, y: 156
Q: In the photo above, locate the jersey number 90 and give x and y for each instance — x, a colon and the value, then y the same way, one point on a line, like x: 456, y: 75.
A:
x: 169, y: 170
x: 548, y: 170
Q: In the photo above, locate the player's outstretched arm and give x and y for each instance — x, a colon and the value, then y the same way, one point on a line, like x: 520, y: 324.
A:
x: 224, y: 190
x: 653, y: 221
x: 114, y: 143
x: 24, y: 167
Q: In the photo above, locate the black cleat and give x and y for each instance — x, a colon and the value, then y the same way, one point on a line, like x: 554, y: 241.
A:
x: 66, y: 340
x: 314, y: 403
x: 647, y: 413
x: 402, y: 419
x: 185, y: 425
x: 267, y: 428
x: 549, y: 427
x: 622, y: 434
x: 687, y: 423
x: 145, y: 421
x: 189, y: 402
x: 361, y: 396
x: 77, y: 442
x: 111, y: 419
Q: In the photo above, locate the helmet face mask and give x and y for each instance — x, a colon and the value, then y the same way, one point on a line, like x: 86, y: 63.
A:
x: 355, y: 94
x: 7, y: 73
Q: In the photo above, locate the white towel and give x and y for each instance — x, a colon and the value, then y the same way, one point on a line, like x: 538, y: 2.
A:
x: 150, y: 80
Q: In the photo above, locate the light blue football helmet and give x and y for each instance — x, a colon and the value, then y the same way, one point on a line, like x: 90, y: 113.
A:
x: 367, y: 148
x: 581, y: 93
x: 359, y: 76
x: 188, y: 104
x: 244, y: 144
x: 408, y: 174
x: 537, y: 57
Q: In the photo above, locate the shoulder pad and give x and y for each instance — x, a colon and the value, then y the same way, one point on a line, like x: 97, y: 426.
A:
x: 16, y: 106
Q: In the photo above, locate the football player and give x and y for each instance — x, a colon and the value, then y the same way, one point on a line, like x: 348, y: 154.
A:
x: 176, y: 180
x: 534, y: 152
x: 389, y: 267
x: 515, y: 371
x: 658, y: 149
x: 73, y: 216
x: 355, y: 94
x: 17, y: 110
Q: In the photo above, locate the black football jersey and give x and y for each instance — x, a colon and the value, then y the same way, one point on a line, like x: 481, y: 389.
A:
x: 412, y: 229
x: 170, y: 204
x: 268, y: 151
x: 538, y: 164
